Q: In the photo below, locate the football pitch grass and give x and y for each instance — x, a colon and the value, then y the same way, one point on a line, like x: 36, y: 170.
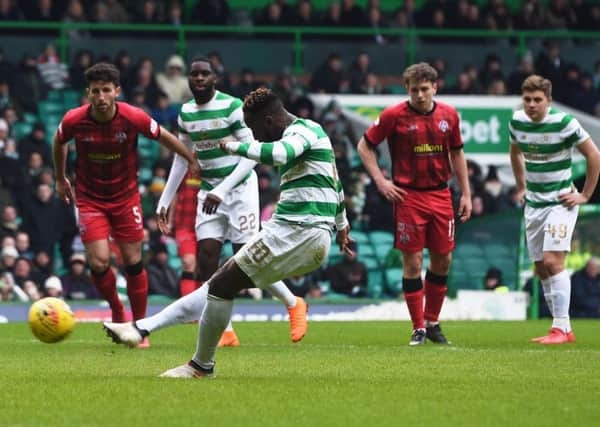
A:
x: 341, y: 374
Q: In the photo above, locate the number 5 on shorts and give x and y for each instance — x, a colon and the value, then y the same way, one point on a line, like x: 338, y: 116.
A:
x: 136, y: 214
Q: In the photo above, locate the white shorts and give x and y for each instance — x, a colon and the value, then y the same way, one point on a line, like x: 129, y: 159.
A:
x: 549, y: 229
x: 283, y: 250
x: 237, y: 218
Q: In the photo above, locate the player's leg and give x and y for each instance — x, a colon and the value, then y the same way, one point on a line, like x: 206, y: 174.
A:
x: 296, y: 306
x: 187, y: 249
x: 559, y: 227
x: 137, y: 278
x: 440, y: 241
x: 409, y: 238
x: 94, y: 228
x: 103, y: 277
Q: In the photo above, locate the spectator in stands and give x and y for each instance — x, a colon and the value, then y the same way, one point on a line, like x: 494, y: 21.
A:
x: 359, y: 70
x: 9, y: 11
x: 349, y: 276
x: 77, y: 283
x: 352, y: 15
x: 165, y: 113
x: 115, y: 12
x: 558, y: 15
x: 174, y: 14
x: 303, y: 16
x: 271, y: 16
x: 162, y: 279
x: 377, y: 211
x: 223, y: 79
x: 32, y: 290
x: 125, y: 66
x: 76, y: 14
x: 550, y: 64
x: 493, y: 280
x: 497, y: 15
x: 376, y: 22
x: 22, y: 244
x: 7, y: 69
x: 585, y: 290
x: 145, y: 81
x: 53, y: 287
x: 491, y: 71
x: 22, y: 272
x: 497, y: 88
x: 246, y: 84
x: 530, y: 17
x: 29, y: 88
x: 44, y: 219
x: 524, y: 69
x: 463, y: 86
x: 585, y: 97
x: 83, y: 61
x: 35, y: 142
x: 9, y: 224
x: 328, y: 77
x: 211, y: 12
x: 53, y: 72
x: 149, y: 13
x: 43, y: 11
x: 173, y: 81
x: 333, y: 16
x: 478, y: 206
x: 8, y: 258
x: 42, y: 266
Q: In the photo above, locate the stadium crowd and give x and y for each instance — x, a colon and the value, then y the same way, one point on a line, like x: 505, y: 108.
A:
x: 38, y: 232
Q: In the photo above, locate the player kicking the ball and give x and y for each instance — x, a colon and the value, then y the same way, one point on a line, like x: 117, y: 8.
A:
x: 294, y: 242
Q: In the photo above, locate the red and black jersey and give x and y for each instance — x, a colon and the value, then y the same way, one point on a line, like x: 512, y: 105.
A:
x: 419, y: 143
x: 187, y: 201
x: 107, y: 160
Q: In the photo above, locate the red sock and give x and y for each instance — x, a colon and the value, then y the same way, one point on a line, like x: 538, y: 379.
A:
x: 187, y: 286
x: 414, y: 300
x: 434, y: 298
x: 107, y: 286
x: 137, y: 291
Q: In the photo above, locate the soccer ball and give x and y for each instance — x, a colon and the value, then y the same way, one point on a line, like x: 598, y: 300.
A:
x: 51, y: 320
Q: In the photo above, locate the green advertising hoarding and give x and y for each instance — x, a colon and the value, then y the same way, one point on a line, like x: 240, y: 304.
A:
x: 484, y: 130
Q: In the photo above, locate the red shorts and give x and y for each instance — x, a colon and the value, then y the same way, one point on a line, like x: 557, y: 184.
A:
x: 425, y: 219
x: 122, y: 220
x: 186, y: 242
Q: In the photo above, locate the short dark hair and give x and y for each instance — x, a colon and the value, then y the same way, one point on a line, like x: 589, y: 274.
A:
x: 420, y: 72
x: 103, y: 71
x: 262, y: 100
x: 200, y: 58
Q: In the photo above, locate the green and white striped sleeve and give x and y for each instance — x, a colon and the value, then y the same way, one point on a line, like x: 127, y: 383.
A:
x: 276, y: 153
x: 341, y: 221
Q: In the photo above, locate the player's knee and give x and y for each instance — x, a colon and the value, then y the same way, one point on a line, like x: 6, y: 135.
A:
x: 98, y: 264
x: 552, y: 263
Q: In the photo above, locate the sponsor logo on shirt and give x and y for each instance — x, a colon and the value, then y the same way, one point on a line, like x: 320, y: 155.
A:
x: 428, y: 148
x: 104, y: 157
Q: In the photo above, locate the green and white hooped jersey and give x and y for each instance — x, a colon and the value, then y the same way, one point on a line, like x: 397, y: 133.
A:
x: 311, y: 192
x: 202, y: 126
x: 548, y: 147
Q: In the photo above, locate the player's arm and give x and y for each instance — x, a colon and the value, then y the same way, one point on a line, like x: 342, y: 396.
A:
x: 243, y: 134
x: 276, y: 153
x: 592, y: 157
x: 459, y: 164
x: 517, y: 162
x: 386, y: 187
x: 170, y: 141
x: 59, y: 156
x: 341, y: 224
x: 176, y: 175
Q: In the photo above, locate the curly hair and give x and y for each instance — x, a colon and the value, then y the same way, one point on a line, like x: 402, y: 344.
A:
x: 262, y: 100
x: 103, y: 71
x: 420, y: 72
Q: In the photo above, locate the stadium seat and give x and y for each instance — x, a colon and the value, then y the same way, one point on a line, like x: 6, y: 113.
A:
x: 22, y: 130
x: 393, y: 280
x: 375, y: 283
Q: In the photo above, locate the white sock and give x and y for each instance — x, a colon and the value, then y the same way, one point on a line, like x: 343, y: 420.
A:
x: 547, y: 293
x: 214, y: 319
x: 185, y: 309
x: 561, y: 297
x: 280, y: 291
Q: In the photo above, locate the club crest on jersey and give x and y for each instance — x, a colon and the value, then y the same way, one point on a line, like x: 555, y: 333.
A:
x: 444, y: 126
x: 413, y: 128
x: 121, y: 137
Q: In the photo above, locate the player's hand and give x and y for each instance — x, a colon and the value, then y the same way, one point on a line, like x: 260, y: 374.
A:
x: 465, y: 207
x: 571, y: 200
x: 390, y: 191
x: 163, y: 221
x: 211, y: 203
x: 223, y: 145
x: 520, y: 196
x: 194, y: 169
x: 344, y: 240
x: 64, y: 190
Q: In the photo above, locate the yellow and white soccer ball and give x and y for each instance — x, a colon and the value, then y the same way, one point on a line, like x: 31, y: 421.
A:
x: 51, y: 320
